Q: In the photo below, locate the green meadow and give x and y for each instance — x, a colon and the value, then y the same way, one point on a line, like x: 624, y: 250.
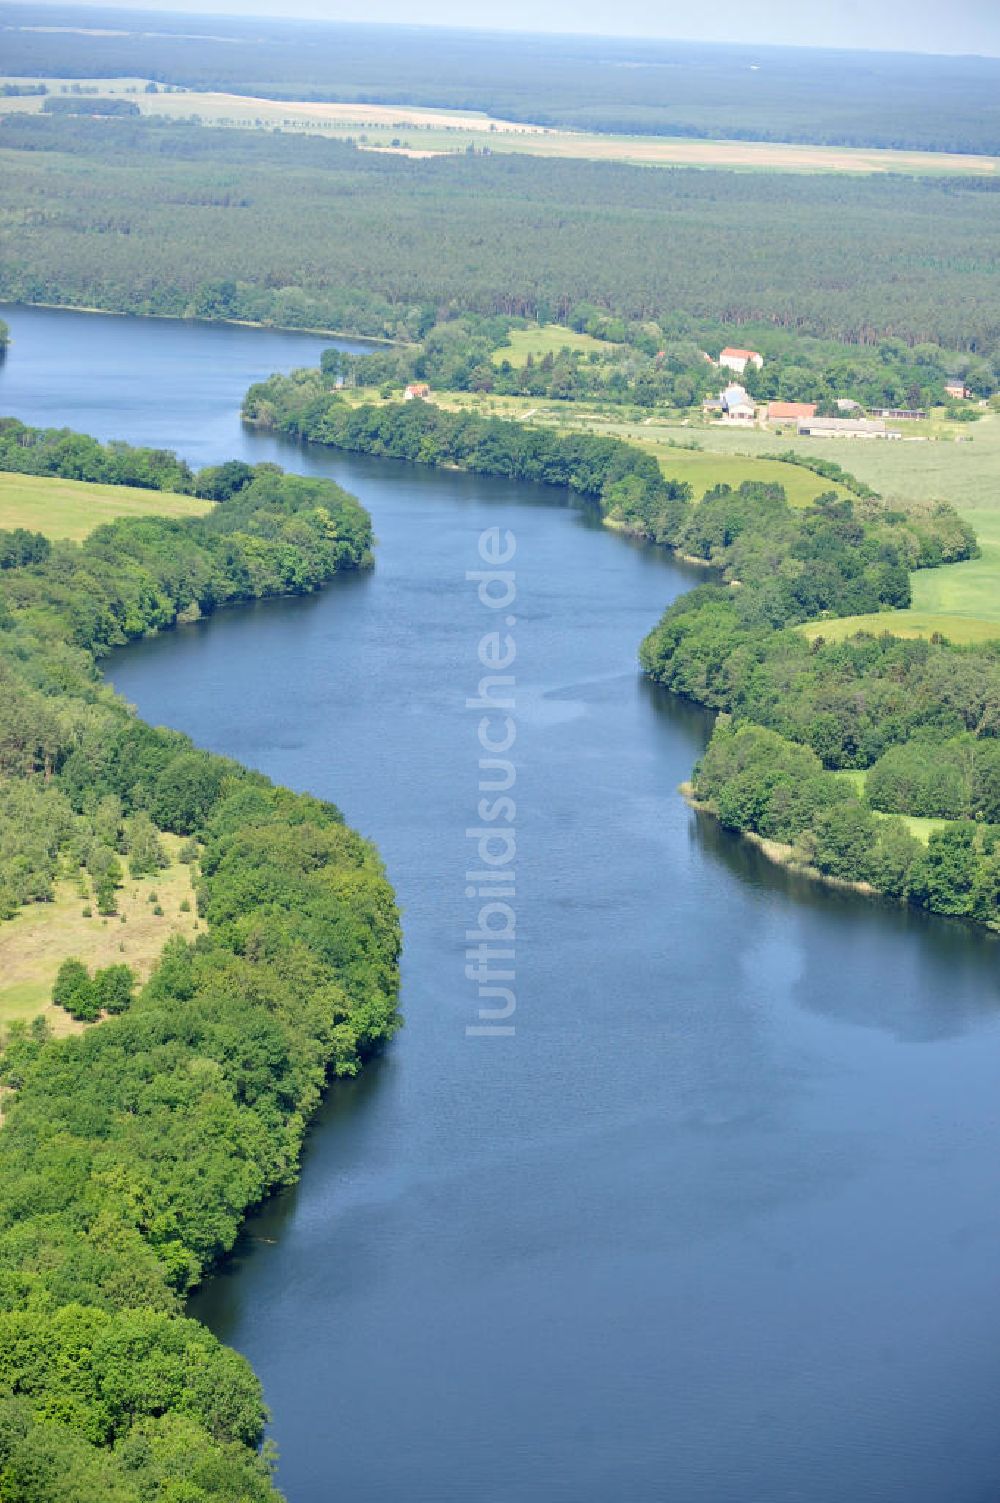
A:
x: 72, y: 508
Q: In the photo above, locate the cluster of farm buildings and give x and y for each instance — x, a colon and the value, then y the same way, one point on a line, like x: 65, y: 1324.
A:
x: 735, y: 407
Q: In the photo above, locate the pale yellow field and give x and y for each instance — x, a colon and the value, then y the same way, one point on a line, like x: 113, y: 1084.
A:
x: 433, y: 132
x: 41, y: 936
x: 73, y: 508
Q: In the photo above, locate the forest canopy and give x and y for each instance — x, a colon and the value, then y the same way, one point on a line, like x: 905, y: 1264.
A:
x: 183, y: 220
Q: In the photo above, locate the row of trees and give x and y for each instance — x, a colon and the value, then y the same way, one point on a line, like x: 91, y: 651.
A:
x: 627, y: 482
x: 130, y: 1153
x: 77, y: 456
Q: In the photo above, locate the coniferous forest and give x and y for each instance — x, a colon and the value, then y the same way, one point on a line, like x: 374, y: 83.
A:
x: 176, y: 219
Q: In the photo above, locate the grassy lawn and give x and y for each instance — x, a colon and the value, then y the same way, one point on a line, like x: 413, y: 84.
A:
x: 918, y: 826
x: 73, y: 508
x: 962, y: 601
x: 41, y: 936
x: 911, y: 623
x: 960, y: 464
x: 548, y: 340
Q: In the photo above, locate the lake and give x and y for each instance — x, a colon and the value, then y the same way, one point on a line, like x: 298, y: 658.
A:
x: 719, y: 1222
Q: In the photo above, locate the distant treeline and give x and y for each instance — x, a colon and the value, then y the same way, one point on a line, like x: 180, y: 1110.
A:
x: 605, y: 84
x: 130, y: 1154
x: 68, y: 105
x: 181, y: 220
x: 924, y: 716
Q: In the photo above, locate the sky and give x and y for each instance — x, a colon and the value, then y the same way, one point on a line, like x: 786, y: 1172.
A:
x: 952, y: 26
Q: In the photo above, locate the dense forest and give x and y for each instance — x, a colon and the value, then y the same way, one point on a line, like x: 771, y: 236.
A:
x: 144, y: 217
x: 638, y: 86
x: 923, y: 717
x: 920, y: 718
x: 130, y: 1153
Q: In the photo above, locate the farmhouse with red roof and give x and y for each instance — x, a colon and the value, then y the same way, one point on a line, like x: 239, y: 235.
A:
x: 738, y: 360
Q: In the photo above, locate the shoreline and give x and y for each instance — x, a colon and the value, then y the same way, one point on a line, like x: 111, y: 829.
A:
x: 780, y: 854
x: 235, y: 323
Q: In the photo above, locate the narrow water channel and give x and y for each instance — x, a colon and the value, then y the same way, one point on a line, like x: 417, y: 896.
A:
x: 720, y: 1223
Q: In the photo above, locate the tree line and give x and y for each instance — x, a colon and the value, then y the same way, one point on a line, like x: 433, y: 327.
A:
x: 626, y: 482
x: 130, y: 1154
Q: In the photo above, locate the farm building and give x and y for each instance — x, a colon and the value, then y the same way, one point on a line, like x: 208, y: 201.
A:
x: 900, y: 414
x: 827, y: 427
x: 738, y: 360
x: 957, y: 390
x: 737, y: 407
x: 417, y: 389
x: 848, y: 404
x: 788, y: 412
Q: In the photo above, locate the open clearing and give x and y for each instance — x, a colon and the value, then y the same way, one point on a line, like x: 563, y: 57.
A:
x: 911, y: 623
x: 919, y: 825
x: 547, y: 340
x: 434, y: 132
x: 73, y: 508
x: 41, y: 936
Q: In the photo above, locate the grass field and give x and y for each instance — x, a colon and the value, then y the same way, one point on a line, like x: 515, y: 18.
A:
x: 41, y: 936
x: 961, y: 464
x: 73, y: 508
x: 547, y: 340
x: 917, y: 824
x: 911, y: 623
x: 961, y: 601
x: 421, y: 132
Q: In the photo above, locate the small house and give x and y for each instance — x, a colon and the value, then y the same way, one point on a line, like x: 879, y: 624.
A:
x: 738, y: 360
x: 957, y: 390
x: 417, y: 390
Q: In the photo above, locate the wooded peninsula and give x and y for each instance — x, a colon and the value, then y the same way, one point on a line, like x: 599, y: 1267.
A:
x: 131, y: 1152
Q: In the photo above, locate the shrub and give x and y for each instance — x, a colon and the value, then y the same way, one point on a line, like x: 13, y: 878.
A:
x: 74, y: 991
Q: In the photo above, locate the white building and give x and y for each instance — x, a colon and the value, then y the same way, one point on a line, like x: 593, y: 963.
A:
x: 738, y: 360
x: 737, y: 407
x: 829, y: 427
